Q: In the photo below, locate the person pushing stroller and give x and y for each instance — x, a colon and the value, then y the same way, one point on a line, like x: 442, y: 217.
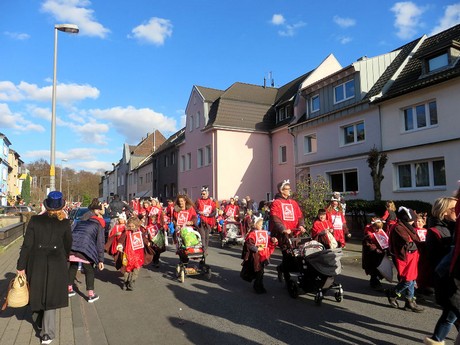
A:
x: 286, y: 223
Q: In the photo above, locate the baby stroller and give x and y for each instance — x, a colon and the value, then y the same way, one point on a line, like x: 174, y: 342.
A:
x: 189, y: 247
x: 315, y: 269
x: 232, y: 232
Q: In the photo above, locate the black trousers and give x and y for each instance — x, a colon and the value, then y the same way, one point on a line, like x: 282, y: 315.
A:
x: 89, y: 274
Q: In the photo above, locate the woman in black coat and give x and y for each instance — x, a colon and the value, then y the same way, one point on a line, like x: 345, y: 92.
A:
x: 43, y: 258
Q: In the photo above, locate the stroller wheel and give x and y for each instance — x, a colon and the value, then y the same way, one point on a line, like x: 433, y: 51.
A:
x: 209, y: 274
x: 177, y: 270
x: 182, y: 275
x: 293, y: 288
x: 338, y: 296
x: 319, y: 297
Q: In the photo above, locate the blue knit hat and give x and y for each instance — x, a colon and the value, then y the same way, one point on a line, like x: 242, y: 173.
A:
x: 54, y: 202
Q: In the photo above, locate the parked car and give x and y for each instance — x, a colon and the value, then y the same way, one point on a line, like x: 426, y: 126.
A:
x: 10, y: 210
x: 76, y: 214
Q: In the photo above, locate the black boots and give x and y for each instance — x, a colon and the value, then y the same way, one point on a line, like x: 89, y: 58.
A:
x: 411, y: 305
x: 392, y: 298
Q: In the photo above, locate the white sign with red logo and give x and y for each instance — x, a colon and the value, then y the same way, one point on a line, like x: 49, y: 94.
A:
x: 261, y: 238
x: 288, y: 212
x: 136, y: 240
x: 422, y: 234
x: 230, y: 212
x: 207, y: 209
x: 182, y: 218
x: 382, y: 239
x: 153, y: 230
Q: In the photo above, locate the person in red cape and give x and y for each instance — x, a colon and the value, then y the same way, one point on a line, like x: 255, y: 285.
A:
x: 135, y: 205
x: 184, y: 212
x: 206, y: 208
x: 336, y: 216
x: 154, y: 231
x: 286, y: 222
x: 258, y: 247
x: 403, y: 245
x: 389, y: 216
x: 321, y: 225
x: 144, y: 211
x: 130, y: 256
x: 115, y: 233
x: 375, y: 247
x: 168, y: 213
x: 232, y: 211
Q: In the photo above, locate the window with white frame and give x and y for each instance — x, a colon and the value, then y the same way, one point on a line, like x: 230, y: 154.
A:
x: 282, y: 155
x: 208, y: 158
x: 173, y: 158
x: 420, y: 116
x: 173, y: 189
x: 197, y: 120
x: 182, y: 163
x: 200, y: 158
x: 353, y: 133
x: 166, y: 191
x: 314, y: 104
x: 189, y: 161
x: 309, y: 143
x: 190, y: 125
x: 422, y: 174
x: 344, y: 181
x: 344, y: 91
x: 166, y: 161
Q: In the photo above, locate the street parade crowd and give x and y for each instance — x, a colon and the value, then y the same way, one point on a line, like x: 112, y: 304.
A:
x: 423, y: 250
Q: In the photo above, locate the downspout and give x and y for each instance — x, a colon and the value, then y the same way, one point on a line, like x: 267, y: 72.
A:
x: 214, y: 165
x: 295, y: 154
x: 380, y: 126
x: 270, y: 138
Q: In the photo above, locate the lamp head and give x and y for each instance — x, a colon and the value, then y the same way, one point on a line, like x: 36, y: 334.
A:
x: 69, y: 28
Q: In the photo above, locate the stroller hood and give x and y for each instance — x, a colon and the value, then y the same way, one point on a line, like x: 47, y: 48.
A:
x: 326, y: 262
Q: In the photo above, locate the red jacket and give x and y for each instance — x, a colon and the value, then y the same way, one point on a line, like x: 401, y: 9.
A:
x: 206, y: 208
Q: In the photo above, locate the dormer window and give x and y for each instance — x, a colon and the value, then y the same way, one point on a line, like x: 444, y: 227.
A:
x: 437, y: 62
x: 443, y: 58
x: 284, y: 113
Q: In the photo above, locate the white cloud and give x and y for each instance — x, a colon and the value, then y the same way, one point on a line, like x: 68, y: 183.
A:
x: 290, y: 30
x: 96, y: 166
x: 9, y: 92
x: 287, y: 29
x: 76, y: 12
x: 16, y: 121
x: 345, y: 39
x: 17, y: 35
x: 451, y: 17
x: 407, y: 20
x: 344, y: 22
x: 92, y: 132
x: 65, y: 93
x: 134, y: 123
x: 155, y: 31
x: 278, y: 19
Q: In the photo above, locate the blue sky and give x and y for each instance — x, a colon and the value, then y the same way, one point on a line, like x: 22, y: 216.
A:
x: 131, y: 68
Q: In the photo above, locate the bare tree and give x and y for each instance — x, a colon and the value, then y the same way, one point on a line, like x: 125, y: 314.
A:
x: 376, y: 161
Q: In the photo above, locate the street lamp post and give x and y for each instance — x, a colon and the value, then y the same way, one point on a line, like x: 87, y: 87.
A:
x: 60, y: 180
x: 73, y: 29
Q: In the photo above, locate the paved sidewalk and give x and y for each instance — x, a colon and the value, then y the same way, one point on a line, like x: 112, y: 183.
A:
x: 72, y: 323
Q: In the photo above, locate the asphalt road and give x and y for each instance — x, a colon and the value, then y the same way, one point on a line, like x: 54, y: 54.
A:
x: 225, y: 309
